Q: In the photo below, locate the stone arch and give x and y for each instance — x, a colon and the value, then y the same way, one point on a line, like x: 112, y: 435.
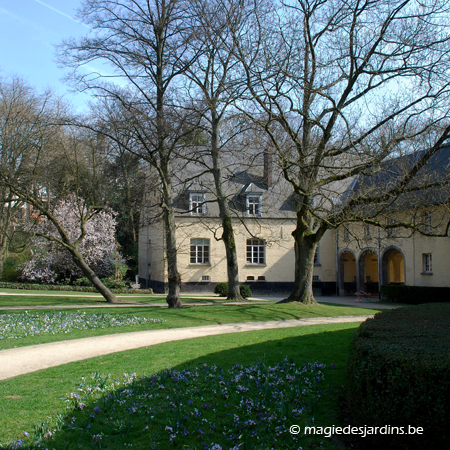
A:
x: 368, y: 271
x: 393, y: 267
x: 347, y: 272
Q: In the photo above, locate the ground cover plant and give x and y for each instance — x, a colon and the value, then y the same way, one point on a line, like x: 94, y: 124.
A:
x: 243, y: 407
x: 189, y: 316
x: 37, y: 400
x: 21, y: 325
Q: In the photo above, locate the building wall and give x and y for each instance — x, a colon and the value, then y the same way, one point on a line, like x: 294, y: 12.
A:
x: 276, y: 274
x: 398, y: 256
x: 279, y: 253
x: 364, y: 261
x: 152, y: 267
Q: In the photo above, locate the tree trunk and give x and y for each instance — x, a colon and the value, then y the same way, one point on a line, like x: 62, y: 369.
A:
x: 305, y: 246
x: 234, y: 292
x: 174, y: 279
x: 93, y: 278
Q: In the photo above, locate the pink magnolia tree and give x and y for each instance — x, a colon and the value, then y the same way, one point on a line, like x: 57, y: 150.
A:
x: 52, y: 261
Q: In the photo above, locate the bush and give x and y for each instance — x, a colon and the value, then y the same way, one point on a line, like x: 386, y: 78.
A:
x: 83, y: 281
x: 399, y: 375
x: 415, y: 295
x: 11, y: 270
x: 246, y: 292
x: 222, y: 290
x: 60, y: 287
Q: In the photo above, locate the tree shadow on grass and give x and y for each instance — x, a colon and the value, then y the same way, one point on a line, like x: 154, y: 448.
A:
x: 140, y: 412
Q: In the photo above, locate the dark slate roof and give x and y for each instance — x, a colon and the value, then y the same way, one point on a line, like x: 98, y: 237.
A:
x: 390, y: 172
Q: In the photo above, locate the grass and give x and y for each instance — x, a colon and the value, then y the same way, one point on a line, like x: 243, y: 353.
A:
x: 15, y: 298
x: 175, y: 318
x: 29, y: 399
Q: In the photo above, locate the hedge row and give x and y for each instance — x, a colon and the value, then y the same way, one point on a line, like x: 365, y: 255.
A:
x: 399, y: 375
x: 60, y: 287
x: 415, y: 295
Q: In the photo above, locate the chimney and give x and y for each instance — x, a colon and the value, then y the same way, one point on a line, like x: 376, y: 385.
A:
x: 268, y: 168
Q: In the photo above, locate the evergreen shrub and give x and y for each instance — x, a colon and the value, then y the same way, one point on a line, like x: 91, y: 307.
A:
x: 222, y: 290
x: 399, y: 375
x: 414, y: 295
x: 61, y: 287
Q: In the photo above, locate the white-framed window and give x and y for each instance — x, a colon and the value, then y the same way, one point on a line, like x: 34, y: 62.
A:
x: 206, y: 278
x: 426, y: 221
x: 199, y: 251
x: 197, y: 205
x: 427, y: 260
x: 256, y: 251
x: 253, y: 204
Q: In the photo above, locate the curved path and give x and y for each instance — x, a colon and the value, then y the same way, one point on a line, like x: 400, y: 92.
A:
x: 18, y: 361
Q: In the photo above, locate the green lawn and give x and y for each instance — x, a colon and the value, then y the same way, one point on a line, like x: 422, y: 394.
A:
x: 188, y: 316
x: 30, y: 399
x: 36, y: 399
x: 16, y: 297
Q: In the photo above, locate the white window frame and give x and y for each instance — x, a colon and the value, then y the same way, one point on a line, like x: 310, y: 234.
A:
x: 197, y: 205
x: 427, y: 261
x: 254, y: 205
x: 199, y: 251
x: 256, y: 252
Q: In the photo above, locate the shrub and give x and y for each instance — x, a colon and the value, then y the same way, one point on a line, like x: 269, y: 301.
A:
x: 399, y: 375
x: 221, y: 289
x: 415, y: 295
x: 59, y: 287
x: 83, y: 281
x: 11, y: 269
x: 246, y: 292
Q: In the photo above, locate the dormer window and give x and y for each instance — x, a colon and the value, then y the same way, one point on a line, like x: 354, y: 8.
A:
x: 253, y: 205
x: 197, y: 205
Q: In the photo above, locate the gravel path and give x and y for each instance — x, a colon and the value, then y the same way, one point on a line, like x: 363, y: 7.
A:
x: 18, y: 361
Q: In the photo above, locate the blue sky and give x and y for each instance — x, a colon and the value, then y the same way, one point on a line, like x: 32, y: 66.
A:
x: 29, y: 29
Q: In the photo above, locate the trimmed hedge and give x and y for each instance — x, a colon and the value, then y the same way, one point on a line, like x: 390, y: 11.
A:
x: 415, y: 295
x: 399, y: 375
x: 61, y: 287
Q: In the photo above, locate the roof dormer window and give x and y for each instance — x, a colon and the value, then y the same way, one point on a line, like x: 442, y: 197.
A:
x: 253, y: 204
x: 197, y: 205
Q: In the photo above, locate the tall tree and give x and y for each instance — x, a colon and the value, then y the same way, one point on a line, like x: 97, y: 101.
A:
x: 338, y: 86
x: 144, y: 43
x: 213, y: 77
x: 43, y: 162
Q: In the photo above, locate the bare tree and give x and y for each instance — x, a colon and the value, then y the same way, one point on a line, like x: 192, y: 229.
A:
x: 144, y: 43
x: 42, y: 162
x: 214, y: 88
x: 339, y: 86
